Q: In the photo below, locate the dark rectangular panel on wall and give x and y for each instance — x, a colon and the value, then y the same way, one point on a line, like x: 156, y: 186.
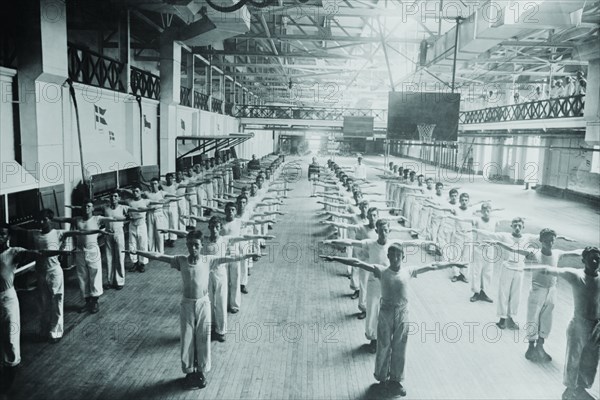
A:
x: 53, y: 198
x: 128, y: 177
x: 104, y: 183
x: 148, y: 172
x: 358, y: 126
x: 22, y: 206
x: 2, y: 209
x: 407, y: 110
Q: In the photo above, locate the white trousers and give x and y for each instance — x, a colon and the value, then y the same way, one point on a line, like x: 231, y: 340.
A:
x: 195, y: 334
x: 540, y: 307
x: 115, y: 258
x: 581, y: 362
x: 89, y: 271
x: 50, y: 284
x: 183, y: 210
x: 156, y: 221
x: 10, y: 328
x: 217, y: 291
x: 363, y: 278
x: 172, y: 216
x: 235, y: 293
x: 392, y: 338
x: 138, y: 240
x: 192, y: 200
x: 373, y: 299
x: 509, y: 292
x: 481, y: 272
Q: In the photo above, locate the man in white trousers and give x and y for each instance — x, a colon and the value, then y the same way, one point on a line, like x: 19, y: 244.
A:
x: 583, y: 333
x: 377, y: 254
x: 195, y: 311
x: 393, y: 318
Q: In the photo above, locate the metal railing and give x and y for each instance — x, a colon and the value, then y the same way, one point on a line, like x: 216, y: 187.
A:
x: 561, y: 107
x: 442, y: 154
x: 185, y: 96
x: 201, y: 101
x: 94, y: 69
x: 308, y: 113
x: 228, y: 108
x: 144, y: 83
x: 216, y: 105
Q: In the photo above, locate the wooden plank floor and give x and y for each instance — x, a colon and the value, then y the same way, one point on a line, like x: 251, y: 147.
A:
x: 296, y: 337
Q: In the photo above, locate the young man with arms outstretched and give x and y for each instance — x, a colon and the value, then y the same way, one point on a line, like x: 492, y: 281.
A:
x: 583, y: 333
x: 393, y: 321
x: 195, y: 311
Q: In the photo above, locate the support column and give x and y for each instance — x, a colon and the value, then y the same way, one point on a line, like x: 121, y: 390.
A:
x: 170, y: 85
x: 496, y: 165
x: 124, y: 43
x: 189, y: 83
x: 520, y: 159
x: 42, y: 50
x: 592, y: 103
x: 209, y: 83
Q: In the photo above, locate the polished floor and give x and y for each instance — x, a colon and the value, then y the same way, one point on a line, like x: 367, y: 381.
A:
x: 297, y: 336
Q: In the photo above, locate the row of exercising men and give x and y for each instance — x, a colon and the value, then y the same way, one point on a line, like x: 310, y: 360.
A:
x: 49, y: 243
x: 514, y: 247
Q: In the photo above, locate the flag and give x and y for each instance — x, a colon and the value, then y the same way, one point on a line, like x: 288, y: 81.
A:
x: 111, y: 137
x: 183, y: 125
x: 99, y: 113
x: 147, y: 123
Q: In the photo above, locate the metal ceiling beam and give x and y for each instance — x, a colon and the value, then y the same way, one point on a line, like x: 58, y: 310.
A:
x: 320, y: 12
x: 525, y: 43
x: 321, y: 55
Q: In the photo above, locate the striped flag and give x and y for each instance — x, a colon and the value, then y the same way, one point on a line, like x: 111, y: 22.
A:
x: 99, y: 113
x: 111, y: 137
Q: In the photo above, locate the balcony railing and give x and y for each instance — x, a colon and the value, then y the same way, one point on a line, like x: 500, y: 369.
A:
x: 561, y: 107
x: 216, y: 105
x: 144, y: 84
x: 94, y: 69
x: 201, y: 101
x: 185, y: 96
x: 307, y: 113
x: 228, y: 108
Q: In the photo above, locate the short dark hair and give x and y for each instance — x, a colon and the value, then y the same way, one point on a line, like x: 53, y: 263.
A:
x: 588, y: 251
x: 214, y: 220
x: 381, y: 222
x: 546, y: 234
x: 45, y: 213
x: 194, y: 235
x: 230, y: 204
x: 463, y: 195
x: 453, y: 191
x: 517, y: 220
x: 371, y: 209
x: 439, y: 184
x: 396, y: 246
